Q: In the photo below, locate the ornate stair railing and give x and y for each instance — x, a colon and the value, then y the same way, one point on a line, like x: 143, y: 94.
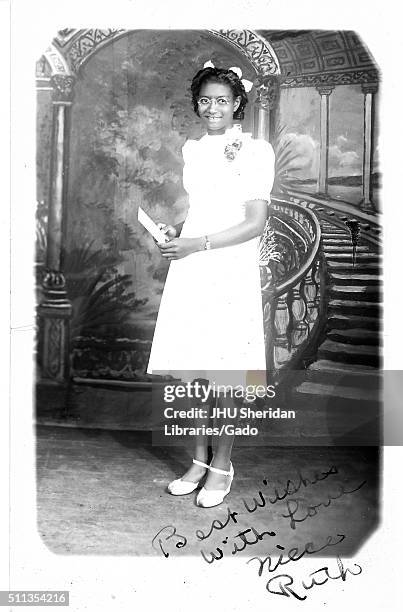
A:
x: 337, y: 213
x: 292, y: 288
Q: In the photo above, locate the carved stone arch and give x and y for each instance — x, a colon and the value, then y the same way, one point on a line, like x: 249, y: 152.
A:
x: 254, y: 47
x: 57, y: 61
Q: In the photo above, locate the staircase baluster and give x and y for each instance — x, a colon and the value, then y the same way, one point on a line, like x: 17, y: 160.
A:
x: 310, y: 291
x: 269, y: 334
x: 281, y: 322
x: 298, y: 309
x: 316, y: 277
x: 289, y: 319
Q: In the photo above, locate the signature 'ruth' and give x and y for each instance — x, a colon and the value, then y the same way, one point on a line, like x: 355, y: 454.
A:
x: 283, y: 584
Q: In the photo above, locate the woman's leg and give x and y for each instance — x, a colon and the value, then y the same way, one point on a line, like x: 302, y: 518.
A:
x: 202, y: 451
x: 224, y: 443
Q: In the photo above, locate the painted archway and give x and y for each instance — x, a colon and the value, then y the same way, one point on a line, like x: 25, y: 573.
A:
x: 68, y: 59
x: 76, y: 47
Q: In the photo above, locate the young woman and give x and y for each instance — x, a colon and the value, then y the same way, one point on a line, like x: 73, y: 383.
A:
x: 210, y: 321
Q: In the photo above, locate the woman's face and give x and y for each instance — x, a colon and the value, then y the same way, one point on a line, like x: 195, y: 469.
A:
x: 216, y: 106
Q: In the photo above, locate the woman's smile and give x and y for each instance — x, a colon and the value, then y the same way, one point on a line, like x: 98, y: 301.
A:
x: 217, y: 106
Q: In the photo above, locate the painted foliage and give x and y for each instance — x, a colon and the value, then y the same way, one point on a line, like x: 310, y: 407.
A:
x: 132, y: 113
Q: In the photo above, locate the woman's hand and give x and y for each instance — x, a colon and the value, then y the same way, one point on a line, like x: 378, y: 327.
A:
x: 169, y: 230
x: 177, y: 248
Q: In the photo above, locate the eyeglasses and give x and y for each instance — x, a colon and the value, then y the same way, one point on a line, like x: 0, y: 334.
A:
x: 221, y: 101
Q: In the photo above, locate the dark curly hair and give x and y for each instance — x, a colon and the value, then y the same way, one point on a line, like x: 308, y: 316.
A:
x: 219, y: 75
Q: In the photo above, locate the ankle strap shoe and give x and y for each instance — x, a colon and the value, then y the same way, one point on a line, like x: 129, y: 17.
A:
x: 208, y: 499
x: 184, y: 487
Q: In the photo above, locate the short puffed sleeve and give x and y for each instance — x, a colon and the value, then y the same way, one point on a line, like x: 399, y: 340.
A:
x: 257, y: 170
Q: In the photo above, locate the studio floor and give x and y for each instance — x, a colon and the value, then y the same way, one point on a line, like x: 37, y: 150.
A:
x: 103, y: 492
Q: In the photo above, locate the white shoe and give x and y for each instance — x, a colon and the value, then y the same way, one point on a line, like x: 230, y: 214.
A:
x: 208, y: 499
x: 184, y: 487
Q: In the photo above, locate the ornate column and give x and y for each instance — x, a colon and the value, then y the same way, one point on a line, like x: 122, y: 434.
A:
x: 55, y: 308
x: 369, y: 91
x: 324, y: 91
x: 266, y: 101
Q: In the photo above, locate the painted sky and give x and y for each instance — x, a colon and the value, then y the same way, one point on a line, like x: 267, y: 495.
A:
x: 299, y: 111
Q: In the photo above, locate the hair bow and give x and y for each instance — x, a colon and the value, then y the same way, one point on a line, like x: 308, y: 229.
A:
x: 247, y: 84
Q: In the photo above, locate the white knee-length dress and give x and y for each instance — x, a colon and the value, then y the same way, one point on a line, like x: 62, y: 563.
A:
x: 210, y: 317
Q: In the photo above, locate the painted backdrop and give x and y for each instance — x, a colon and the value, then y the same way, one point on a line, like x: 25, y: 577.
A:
x: 132, y: 114
x: 298, y: 112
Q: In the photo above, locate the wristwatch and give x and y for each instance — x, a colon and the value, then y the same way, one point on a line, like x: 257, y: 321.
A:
x: 207, y: 243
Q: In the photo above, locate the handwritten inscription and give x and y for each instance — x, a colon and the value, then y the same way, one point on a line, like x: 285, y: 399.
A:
x: 217, y: 524
x: 283, y: 584
x: 296, y: 511
x: 271, y: 564
x: 238, y: 546
x: 291, y: 488
x: 293, y: 506
x: 164, y: 535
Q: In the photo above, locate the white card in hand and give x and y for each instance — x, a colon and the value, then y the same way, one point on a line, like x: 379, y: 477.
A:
x: 151, y: 227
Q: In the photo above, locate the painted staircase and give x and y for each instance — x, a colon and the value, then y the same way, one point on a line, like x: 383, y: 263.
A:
x: 344, y: 379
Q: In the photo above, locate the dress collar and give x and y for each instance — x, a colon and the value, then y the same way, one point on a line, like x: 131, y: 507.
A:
x: 232, y: 133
